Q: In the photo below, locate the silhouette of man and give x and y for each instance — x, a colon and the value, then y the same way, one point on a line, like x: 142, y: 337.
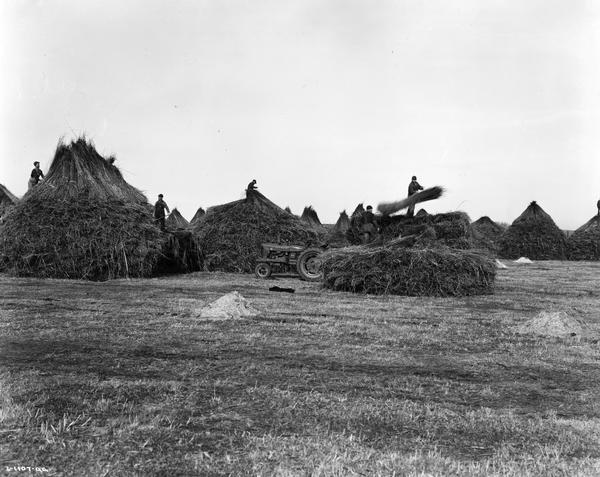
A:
x: 413, y: 188
x: 159, y: 211
x: 36, y: 173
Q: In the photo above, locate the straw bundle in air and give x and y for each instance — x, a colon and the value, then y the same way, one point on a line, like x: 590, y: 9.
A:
x: 390, y: 269
x: 584, y: 244
x: 389, y: 208
x: 533, y: 235
x: 231, y: 235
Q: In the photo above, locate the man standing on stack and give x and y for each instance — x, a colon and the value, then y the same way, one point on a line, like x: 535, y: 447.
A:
x: 36, y: 173
x: 413, y: 188
x: 251, y: 188
x: 159, y: 211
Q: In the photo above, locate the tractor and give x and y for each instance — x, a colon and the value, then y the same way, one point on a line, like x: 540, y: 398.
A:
x: 276, y: 258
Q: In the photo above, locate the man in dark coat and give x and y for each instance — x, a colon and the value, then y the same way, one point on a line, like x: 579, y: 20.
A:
x: 368, y: 225
x: 413, y: 188
x: 36, y: 173
x: 251, y: 188
x: 159, y: 211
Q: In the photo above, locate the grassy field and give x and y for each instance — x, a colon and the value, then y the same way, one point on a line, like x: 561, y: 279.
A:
x: 122, y: 378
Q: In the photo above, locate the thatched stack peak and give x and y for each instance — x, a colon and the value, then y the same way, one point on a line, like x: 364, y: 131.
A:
x: 7, y: 200
x: 533, y: 235
x: 287, y: 209
x: 358, y: 211
x: 343, y: 222
x: 309, y: 215
x: 197, y: 216
x: 176, y: 220
x: 77, y: 170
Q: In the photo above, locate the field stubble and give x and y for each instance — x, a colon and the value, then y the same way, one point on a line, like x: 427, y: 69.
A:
x: 124, y: 378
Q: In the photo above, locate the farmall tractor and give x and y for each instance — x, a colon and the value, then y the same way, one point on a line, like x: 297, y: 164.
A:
x: 275, y: 258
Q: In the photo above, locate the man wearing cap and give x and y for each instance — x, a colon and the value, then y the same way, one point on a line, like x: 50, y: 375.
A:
x: 251, y: 188
x: 36, y: 173
x: 159, y: 211
x: 413, y: 188
x: 368, y: 225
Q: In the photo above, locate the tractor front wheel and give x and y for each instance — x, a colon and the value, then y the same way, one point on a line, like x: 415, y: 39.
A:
x: 310, y: 265
x: 262, y: 270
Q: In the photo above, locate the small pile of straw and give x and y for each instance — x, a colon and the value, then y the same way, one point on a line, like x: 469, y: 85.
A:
x: 390, y: 269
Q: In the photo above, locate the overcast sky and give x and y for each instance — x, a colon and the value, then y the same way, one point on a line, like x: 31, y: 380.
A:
x: 324, y: 102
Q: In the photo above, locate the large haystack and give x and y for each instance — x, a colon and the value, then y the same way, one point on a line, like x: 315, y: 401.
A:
x: 176, y: 221
x: 231, y: 234
x: 197, y: 216
x: 534, y: 235
x: 487, y: 233
x: 7, y: 201
x: 452, y: 229
x: 393, y: 269
x: 309, y: 215
x: 584, y: 243
x: 83, y: 221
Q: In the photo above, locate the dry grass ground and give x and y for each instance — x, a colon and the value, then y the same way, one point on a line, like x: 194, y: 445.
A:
x: 121, y: 378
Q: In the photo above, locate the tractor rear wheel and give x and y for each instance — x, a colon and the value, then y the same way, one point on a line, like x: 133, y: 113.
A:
x: 262, y: 270
x: 310, y: 265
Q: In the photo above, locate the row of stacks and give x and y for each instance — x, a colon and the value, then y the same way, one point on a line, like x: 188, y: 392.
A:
x: 535, y: 235
x: 85, y: 221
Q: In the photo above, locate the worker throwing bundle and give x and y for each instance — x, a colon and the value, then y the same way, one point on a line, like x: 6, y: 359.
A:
x: 413, y: 188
